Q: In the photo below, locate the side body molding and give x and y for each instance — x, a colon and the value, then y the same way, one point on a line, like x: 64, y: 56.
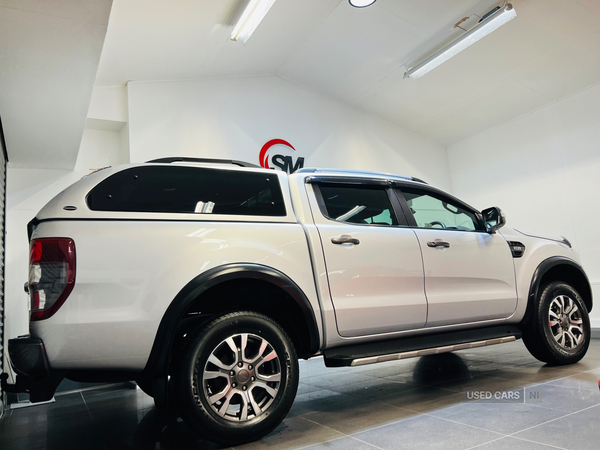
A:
x: 543, y: 268
x: 159, y: 355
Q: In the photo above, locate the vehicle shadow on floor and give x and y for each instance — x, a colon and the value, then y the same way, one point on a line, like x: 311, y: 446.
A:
x: 333, y: 406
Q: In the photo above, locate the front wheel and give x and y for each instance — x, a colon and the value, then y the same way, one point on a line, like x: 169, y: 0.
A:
x: 237, y: 378
x: 558, y: 332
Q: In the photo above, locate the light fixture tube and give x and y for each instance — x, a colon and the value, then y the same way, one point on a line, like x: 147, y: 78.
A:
x: 482, y: 29
x: 251, y: 18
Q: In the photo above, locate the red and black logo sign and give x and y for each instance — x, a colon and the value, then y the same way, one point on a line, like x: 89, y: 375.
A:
x: 282, y: 161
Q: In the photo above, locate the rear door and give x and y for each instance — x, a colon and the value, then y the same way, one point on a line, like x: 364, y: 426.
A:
x: 373, y: 260
x: 469, y: 273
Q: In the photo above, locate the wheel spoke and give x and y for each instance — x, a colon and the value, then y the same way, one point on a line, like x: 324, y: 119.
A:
x: 574, y: 339
x: 569, y: 305
x: 260, y: 360
x: 211, y: 375
x: 567, y: 340
x: 244, y: 345
x: 553, y: 323
x: 225, y: 405
x: 560, y: 303
x: 575, y: 330
x: 257, y: 409
x: 558, y: 335
x: 230, y: 342
x: 261, y: 350
x: 219, y: 395
x: 269, y: 357
x: 269, y: 378
x: 272, y: 392
x: 244, y: 406
x: 573, y: 310
x: 217, y: 362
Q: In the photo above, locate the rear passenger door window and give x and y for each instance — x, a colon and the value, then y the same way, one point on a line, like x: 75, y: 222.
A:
x: 363, y: 205
x: 188, y: 190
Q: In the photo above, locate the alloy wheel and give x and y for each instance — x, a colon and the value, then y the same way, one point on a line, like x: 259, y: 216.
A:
x: 241, y: 377
x: 566, y: 322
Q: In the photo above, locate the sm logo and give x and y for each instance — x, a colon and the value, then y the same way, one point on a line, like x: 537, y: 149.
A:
x: 281, y: 156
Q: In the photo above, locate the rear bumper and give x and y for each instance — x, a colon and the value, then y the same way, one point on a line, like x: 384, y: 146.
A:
x: 28, y: 357
x: 29, y: 360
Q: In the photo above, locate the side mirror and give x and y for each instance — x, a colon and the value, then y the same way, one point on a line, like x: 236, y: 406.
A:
x: 494, y: 219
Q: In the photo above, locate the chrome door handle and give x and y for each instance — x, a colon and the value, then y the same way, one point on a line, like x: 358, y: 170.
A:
x: 435, y: 244
x: 345, y: 239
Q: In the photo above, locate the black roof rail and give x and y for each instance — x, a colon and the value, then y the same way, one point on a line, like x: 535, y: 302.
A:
x: 173, y: 159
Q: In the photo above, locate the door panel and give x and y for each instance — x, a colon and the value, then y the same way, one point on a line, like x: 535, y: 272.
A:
x: 377, y: 282
x: 377, y: 285
x: 471, y: 280
x: 469, y: 273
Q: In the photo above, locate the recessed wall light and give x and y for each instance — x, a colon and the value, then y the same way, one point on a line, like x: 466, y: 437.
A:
x: 361, y: 3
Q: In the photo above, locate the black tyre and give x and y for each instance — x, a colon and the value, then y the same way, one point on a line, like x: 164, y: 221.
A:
x: 237, y: 378
x: 558, y: 331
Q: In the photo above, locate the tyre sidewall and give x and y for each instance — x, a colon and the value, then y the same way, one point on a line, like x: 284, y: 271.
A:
x: 195, y: 408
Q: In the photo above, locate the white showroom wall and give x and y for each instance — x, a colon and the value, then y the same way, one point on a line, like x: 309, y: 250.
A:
x: 232, y: 118
x: 542, y: 170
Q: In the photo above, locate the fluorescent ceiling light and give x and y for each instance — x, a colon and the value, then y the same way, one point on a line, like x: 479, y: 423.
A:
x: 361, y: 3
x: 251, y: 18
x: 482, y: 29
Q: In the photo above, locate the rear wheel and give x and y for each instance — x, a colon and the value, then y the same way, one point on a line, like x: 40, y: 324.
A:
x: 237, y: 378
x: 558, y: 332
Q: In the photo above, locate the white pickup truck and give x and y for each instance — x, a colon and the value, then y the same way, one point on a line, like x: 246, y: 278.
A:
x: 205, y: 280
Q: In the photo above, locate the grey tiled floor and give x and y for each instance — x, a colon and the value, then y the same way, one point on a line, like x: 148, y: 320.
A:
x: 412, y: 404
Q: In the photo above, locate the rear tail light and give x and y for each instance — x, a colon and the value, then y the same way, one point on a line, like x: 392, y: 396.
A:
x: 51, y: 275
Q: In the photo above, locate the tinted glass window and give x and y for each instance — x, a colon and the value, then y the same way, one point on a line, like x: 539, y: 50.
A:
x: 431, y: 211
x: 358, y: 204
x: 189, y: 190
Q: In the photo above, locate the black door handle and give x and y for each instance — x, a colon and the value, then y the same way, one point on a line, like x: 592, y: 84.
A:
x: 435, y: 244
x: 345, y: 239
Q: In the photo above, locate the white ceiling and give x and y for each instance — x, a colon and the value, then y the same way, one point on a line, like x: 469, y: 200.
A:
x: 49, y: 54
x: 359, y: 55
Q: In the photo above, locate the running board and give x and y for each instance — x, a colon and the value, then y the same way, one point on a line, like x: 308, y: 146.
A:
x: 360, y: 355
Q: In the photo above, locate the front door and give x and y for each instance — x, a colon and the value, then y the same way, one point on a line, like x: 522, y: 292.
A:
x: 469, y: 273
x: 373, y: 260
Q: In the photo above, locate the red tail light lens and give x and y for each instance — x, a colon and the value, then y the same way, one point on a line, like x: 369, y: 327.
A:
x: 51, y: 275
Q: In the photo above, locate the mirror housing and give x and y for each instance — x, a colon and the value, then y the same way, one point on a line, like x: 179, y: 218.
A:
x: 494, y: 219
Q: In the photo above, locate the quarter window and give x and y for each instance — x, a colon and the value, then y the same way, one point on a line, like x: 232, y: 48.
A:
x: 357, y: 204
x: 431, y: 211
x: 172, y: 189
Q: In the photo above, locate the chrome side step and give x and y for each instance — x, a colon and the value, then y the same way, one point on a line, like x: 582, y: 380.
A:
x: 430, y: 351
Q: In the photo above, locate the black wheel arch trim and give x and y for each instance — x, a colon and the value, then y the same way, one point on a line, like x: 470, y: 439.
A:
x: 161, y: 348
x: 539, y: 273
